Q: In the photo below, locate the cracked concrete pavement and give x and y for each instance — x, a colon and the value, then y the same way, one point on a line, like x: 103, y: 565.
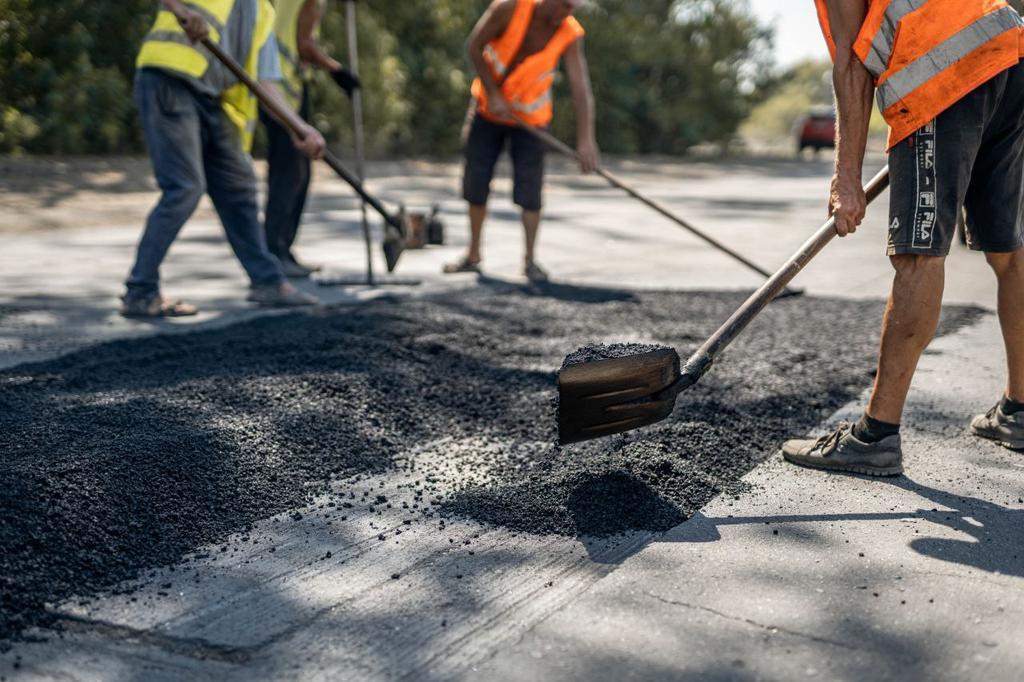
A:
x: 804, y: 575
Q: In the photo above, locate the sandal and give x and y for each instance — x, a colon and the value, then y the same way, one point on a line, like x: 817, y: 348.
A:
x: 155, y: 307
x: 464, y: 265
x: 535, y: 273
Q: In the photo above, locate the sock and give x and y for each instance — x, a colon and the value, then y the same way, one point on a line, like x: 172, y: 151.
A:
x: 870, y: 430
x: 1010, y: 406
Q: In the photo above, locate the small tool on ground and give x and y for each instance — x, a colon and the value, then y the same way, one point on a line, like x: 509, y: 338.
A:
x: 615, y: 181
x: 394, y: 226
x: 608, y: 396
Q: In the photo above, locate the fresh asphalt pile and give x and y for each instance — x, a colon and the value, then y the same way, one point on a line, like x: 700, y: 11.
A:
x: 132, y: 454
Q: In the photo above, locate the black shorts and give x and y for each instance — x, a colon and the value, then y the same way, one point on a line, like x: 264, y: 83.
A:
x: 970, y: 159
x: 484, y: 146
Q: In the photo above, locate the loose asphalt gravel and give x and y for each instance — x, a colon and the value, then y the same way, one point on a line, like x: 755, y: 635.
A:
x: 131, y: 454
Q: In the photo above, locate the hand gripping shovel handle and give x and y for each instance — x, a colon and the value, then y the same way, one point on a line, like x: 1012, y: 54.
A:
x: 701, y: 361
x: 291, y: 120
x: 615, y: 181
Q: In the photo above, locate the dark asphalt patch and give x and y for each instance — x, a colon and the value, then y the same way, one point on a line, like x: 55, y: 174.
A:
x: 129, y: 455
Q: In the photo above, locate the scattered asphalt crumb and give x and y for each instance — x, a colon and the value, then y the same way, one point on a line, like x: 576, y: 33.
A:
x: 130, y: 455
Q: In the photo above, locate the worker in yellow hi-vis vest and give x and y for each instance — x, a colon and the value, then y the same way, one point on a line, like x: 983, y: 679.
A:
x: 198, y: 122
x: 297, y: 28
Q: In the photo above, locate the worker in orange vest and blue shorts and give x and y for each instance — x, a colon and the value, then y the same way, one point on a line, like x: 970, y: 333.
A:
x: 515, y: 49
x: 949, y: 80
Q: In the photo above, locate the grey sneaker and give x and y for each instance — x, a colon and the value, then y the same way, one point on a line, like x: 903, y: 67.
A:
x: 1005, y: 429
x: 280, y: 296
x: 841, y: 451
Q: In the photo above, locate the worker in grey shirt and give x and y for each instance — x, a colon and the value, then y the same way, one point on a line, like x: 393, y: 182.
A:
x: 197, y: 120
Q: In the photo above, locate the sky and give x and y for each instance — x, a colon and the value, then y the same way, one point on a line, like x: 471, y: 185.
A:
x: 797, y: 34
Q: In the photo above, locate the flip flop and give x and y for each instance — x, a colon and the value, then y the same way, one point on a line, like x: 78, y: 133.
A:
x: 535, y: 274
x: 464, y: 265
x: 156, y: 307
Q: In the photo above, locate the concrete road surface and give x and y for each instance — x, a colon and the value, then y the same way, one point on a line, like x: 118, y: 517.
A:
x: 806, y: 575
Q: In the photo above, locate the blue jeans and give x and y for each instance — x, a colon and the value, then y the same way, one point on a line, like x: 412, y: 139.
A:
x: 195, y: 151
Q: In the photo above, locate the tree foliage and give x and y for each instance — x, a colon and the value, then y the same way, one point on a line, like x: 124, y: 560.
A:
x: 667, y: 74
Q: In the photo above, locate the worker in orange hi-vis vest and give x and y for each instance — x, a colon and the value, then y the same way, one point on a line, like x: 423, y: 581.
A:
x: 515, y: 49
x: 949, y: 81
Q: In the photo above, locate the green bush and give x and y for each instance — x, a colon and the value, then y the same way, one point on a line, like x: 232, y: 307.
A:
x: 90, y: 111
x: 17, y: 131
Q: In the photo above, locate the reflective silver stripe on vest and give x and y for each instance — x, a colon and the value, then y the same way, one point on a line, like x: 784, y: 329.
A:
x: 945, y: 55
x: 881, y: 46
x: 289, y: 57
x: 534, y: 106
x: 210, y: 19
x: 499, y: 66
x: 171, y: 37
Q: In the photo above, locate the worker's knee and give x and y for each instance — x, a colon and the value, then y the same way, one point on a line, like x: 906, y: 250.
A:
x: 1003, y: 263
x: 914, y: 265
x: 184, y: 195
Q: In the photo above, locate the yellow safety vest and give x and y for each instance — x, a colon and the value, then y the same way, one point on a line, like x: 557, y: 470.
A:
x: 167, y: 47
x: 286, y: 27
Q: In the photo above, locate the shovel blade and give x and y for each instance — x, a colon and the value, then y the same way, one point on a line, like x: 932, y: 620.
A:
x: 605, y: 397
x: 395, y: 239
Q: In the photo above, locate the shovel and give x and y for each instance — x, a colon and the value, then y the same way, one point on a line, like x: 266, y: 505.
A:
x: 604, y: 397
x: 394, y: 225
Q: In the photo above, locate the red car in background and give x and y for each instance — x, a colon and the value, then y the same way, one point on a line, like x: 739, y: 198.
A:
x: 817, y: 130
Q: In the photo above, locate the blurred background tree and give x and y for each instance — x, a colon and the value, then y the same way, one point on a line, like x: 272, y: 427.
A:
x: 791, y: 94
x: 65, y: 74
x: 668, y: 74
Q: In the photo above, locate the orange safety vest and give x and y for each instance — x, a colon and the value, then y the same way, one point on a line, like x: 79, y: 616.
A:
x: 925, y: 55
x: 528, y: 88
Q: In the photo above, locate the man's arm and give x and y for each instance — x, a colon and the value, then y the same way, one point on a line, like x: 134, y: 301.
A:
x: 583, y: 98
x: 854, y: 88
x: 309, y: 141
x: 309, y: 50
x: 193, y: 22
x: 312, y: 53
x: 491, y: 25
x: 312, y: 143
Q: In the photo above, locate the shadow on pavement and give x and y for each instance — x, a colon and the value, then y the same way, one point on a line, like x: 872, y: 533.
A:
x: 993, y: 542
x: 568, y: 293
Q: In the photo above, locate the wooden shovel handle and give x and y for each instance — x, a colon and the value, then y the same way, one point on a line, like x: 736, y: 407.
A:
x: 296, y: 125
x: 701, y: 361
x: 615, y: 181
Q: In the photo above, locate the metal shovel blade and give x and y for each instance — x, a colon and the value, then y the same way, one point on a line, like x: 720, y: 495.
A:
x: 395, y: 235
x: 605, y: 397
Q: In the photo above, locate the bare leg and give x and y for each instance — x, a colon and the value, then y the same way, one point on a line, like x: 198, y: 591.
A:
x: 1009, y: 269
x: 477, y: 216
x: 911, y: 318
x: 531, y: 223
